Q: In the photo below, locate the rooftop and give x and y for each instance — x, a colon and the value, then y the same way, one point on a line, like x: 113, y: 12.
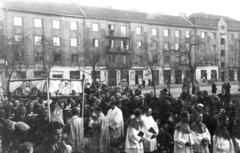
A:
x: 96, y: 13
x: 211, y: 21
x: 44, y: 8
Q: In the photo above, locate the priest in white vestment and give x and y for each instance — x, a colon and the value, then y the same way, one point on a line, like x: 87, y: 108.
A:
x: 150, y: 129
x: 75, y: 132
x: 115, y: 118
x: 116, y: 125
x: 183, y: 136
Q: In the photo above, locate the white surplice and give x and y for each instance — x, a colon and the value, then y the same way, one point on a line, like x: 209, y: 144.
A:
x: 75, y: 135
x: 132, y: 144
x: 180, y: 140
x: 199, y: 148
x: 236, y: 143
x: 115, y: 118
x: 150, y: 145
x: 221, y: 145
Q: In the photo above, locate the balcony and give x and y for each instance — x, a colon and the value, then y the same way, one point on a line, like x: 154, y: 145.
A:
x: 112, y: 34
x: 118, y: 50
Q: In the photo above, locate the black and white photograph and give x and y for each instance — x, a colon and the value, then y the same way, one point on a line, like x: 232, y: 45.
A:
x: 119, y: 76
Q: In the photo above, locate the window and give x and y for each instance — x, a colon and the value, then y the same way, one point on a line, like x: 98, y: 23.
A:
x: 75, y: 58
x: 112, y: 58
x: 95, y: 27
x: 95, y: 43
x: 110, y: 27
x: 112, y: 44
x: 232, y: 37
x: 18, y: 38
x: 214, y: 35
x: 124, y: 44
x: 178, y: 59
x: 222, y: 52
x: 187, y: 46
x: 139, y: 44
x: 222, y: 27
x: 38, y: 74
x: 214, y: 48
x: 73, y: 25
x: 176, y: 46
x: 73, y: 42
x: 187, y: 34
x: 124, y: 59
x: 139, y: 30
x: 37, y: 23
x: 222, y: 64
x: 74, y: 74
x: 56, y: 41
x: 123, y: 31
x: 37, y: 40
x: 176, y: 33
x: 202, y: 35
x: 155, y: 45
x: 222, y: 41
x: 165, y: 32
x: 154, y: 32
x: 166, y: 59
x: 57, y: 57
x: 38, y: 57
x: 21, y: 74
x: 57, y: 74
x: 56, y: 24
x: 17, y: 21
x: 166, y: 46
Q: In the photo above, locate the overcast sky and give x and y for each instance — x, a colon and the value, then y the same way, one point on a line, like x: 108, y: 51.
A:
x: 229, y: 8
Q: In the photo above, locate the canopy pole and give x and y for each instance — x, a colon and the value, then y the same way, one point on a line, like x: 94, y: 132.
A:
x: 83, y: 97
x: 48, y: 100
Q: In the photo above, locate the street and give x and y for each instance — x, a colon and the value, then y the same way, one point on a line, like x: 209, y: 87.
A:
x: 176, y: 90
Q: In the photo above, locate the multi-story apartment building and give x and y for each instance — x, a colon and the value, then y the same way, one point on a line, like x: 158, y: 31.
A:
x: 223, y: 35
x: 68, y: 40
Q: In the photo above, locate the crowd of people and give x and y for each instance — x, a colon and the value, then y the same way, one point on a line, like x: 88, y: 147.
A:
x: 118, y: 120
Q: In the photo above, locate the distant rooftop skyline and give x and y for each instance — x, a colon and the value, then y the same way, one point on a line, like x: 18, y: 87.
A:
x: 228, y: 8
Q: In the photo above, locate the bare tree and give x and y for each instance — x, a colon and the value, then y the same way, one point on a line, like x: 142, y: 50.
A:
x: 94, y: 58
x: 13, y: 53
x: 195, y: 52
x: 150, y: 58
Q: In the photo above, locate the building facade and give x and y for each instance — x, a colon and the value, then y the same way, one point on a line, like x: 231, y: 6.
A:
x: 68, y: 40
x: 223, y: 34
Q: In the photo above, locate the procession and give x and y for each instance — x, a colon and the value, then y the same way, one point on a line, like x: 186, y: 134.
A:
x: 118, y: 120
x: 102, y: 76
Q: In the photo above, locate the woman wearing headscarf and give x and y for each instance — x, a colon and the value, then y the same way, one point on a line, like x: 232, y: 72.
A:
x: 222, y: 142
